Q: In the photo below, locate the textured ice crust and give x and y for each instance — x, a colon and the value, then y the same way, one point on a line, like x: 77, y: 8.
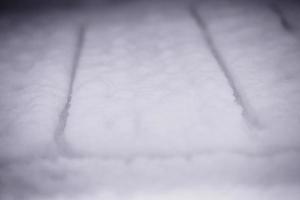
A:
x: 34, y: 68
x: 265, y: 59
x: 151, y: 86
x: 152, y: 116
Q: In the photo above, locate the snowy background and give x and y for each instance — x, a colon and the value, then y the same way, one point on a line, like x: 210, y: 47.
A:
x: 149, y: 100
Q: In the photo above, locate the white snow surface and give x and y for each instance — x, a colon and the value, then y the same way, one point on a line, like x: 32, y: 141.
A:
x: 152, y: 115
x: 34, y: 70
x: 150, y: 86
x: 265, y: 61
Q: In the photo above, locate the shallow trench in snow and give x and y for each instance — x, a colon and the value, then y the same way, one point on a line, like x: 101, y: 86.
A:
x: 150, y: 100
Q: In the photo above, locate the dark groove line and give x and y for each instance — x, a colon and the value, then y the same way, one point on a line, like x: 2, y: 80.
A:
x: 283, y: 21
x: 59, y: 136
x: 273, y: 153
x: 248, y: 114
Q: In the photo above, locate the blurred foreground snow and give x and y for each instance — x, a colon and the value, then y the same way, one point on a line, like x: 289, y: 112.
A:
x: 152, y: 115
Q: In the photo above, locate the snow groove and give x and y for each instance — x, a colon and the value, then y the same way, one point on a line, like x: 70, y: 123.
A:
x: 248, y: 114
x: 279, y: 13
x: 188, y: 157
x: 59, y: 136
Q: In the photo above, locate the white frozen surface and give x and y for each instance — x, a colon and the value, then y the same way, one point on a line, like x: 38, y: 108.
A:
x: 34, y: 69
x: 151, y: 112
x: 290, y: 10
x: 265, y: 60
x: 231, y: 174
x: 147, y: 84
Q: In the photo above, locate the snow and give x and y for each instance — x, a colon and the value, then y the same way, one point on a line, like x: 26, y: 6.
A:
x: 265, y: 59
x: 273, y: 177
x: 226, y: 193
x: 290, y: 11
x: 34, y: 75
x: 152, y: 115
x: 141, y: 87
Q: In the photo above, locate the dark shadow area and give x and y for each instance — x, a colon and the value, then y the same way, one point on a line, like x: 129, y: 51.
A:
x: 17, y: 5
x: 30, y: 5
